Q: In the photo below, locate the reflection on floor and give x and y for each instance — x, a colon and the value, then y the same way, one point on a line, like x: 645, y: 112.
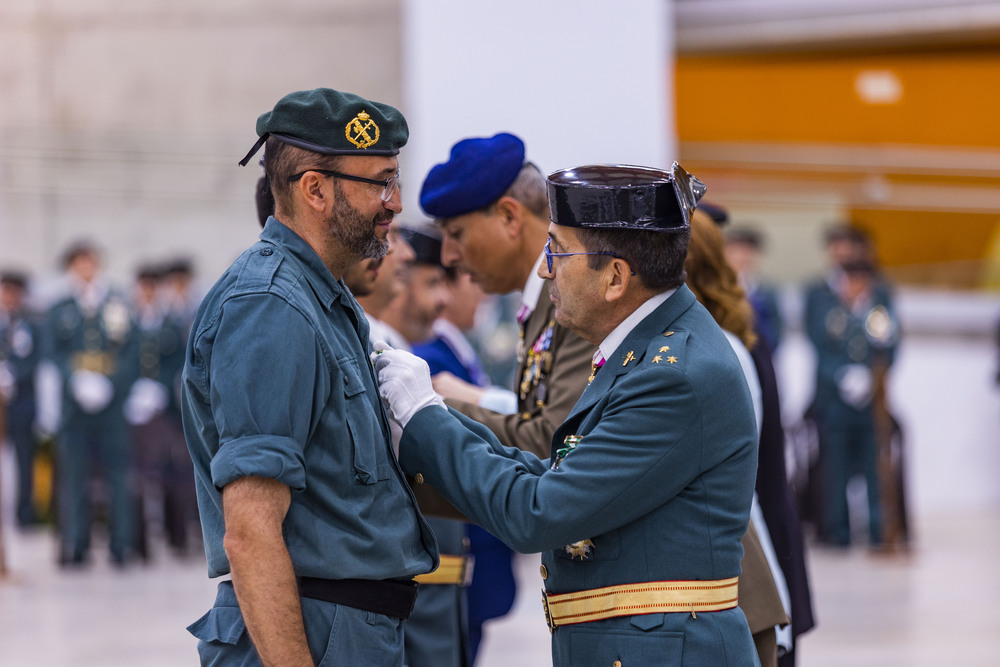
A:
x: 935, y: 606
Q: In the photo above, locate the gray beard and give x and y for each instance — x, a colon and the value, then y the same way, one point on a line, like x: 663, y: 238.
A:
x: 356, y: 234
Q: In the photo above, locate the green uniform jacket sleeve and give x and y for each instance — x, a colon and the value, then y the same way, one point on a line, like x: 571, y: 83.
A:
x: 649, y: 433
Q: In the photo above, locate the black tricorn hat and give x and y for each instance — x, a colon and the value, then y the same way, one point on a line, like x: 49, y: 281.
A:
x: 618, y: 196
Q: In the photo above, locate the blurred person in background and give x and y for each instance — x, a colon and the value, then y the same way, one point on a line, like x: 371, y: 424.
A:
x: 743, y: 250
x: 380, y: 282
x: 179, y: 294
x: 425, y: 293
x: 91, y: 338
x: 851, y: 322
x: 163, y: 477
x: 436, y: 634
x: 715, y: 283
x: 20, y: 351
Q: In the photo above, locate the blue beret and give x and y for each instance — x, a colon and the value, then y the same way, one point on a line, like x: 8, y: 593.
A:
x: 478, y: 172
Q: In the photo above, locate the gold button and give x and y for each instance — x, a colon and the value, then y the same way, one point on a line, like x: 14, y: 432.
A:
x: 616, y: 663
x: 419, y: 479
x: 545, y: 572
x: 525, y: 415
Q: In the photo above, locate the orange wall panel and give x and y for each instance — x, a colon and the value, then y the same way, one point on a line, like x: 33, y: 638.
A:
x: 944, y: 98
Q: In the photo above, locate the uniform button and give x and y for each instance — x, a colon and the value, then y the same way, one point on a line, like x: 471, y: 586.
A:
x: 545, y: 572
x: 266, y: 251
x: 525, y: 415
x: 347, y: 380
x: 419, y: 479
x: 616, y: 663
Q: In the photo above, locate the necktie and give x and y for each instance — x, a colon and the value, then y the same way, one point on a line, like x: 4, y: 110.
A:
x: 596, y: 365
x: 523, y: 313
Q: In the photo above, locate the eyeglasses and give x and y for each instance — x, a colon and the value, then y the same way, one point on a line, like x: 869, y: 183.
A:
x: 549, y: 254
x: 389, y: 186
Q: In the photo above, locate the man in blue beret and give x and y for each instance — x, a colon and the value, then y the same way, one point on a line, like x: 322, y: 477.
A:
x: 492, y: 208
x: 302, y: 501
x: 641, y: 505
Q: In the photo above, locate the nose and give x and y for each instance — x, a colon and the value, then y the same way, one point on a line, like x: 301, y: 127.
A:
x: 395, y: 202
x: 543, y: 270
x: 451, y: 253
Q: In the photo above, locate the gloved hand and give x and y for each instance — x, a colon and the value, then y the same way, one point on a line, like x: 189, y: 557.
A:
x: 146, y: 399
x: 48, y: 399
x: 404, y: 383
x: 855, y: 385
x: 92, y: 391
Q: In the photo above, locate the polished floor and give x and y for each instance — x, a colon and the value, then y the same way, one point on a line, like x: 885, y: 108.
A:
x: 934, y: 606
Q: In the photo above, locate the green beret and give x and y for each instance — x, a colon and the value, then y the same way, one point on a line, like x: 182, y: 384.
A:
x: 333, y: 123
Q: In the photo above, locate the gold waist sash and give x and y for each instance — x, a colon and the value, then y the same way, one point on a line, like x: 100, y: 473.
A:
x: 634, y: 599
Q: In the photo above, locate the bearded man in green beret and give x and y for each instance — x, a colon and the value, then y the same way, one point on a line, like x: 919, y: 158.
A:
x: 301, y: 498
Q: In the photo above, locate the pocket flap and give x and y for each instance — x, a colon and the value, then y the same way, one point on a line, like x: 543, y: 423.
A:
x: 220, y: 624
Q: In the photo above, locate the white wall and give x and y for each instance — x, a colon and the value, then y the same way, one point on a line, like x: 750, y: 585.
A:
x: 580, y: 81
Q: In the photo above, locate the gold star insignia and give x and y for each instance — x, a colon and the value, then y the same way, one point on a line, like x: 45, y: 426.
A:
x: 672, y: 360
x: 629, y: 357
x: 665, y: 348
x: 657, y: 359
x: 669, y: 333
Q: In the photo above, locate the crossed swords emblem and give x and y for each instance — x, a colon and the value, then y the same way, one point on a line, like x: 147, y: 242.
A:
x: 357, y: 133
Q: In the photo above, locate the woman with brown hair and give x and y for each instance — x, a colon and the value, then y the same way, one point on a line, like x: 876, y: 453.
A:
x: 715, y: 284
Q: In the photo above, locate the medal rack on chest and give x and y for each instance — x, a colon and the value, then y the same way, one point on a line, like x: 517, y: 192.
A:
x: 537, y: 362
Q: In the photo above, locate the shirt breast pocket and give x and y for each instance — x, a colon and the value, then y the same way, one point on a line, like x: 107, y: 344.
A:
x: 371, y: 459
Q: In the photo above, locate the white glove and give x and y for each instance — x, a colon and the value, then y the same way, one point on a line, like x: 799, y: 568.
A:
x: 855, y: 385
x: 93, y: 391
x: 146, y: 399
x: 48, y: 398
x: 404, y: 383
x: 8, y: 382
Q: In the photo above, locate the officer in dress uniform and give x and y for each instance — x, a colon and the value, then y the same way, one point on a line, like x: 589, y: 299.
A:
x: 301, y: 498
x: 91, y: 339
x: 491, y: 206
x: 20, y: 351
x: 162, y: 466
x: 647, y: 490
x: 852, y: 325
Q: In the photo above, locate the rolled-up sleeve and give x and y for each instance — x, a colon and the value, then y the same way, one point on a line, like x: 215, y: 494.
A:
x: 268, y: 375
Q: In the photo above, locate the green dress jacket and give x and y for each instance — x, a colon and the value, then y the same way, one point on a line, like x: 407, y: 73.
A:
x: 657, y: 487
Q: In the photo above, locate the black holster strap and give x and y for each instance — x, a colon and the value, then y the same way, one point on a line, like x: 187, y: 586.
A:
x: 390, y: 597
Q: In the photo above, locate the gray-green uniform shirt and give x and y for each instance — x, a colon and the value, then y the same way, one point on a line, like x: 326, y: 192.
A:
x: 278, y: 384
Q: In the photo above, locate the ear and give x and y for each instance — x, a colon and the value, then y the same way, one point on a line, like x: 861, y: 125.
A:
x: 512, y: 215
x: 312, y: 189
x: 616, y: 277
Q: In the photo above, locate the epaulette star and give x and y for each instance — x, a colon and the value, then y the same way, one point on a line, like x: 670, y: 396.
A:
x: 657, y: 359
x: 672, y: 360
x: 665, y: 348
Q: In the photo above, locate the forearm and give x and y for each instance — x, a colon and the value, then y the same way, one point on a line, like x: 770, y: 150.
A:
x: 263, y: 576
x: 268, y: 595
